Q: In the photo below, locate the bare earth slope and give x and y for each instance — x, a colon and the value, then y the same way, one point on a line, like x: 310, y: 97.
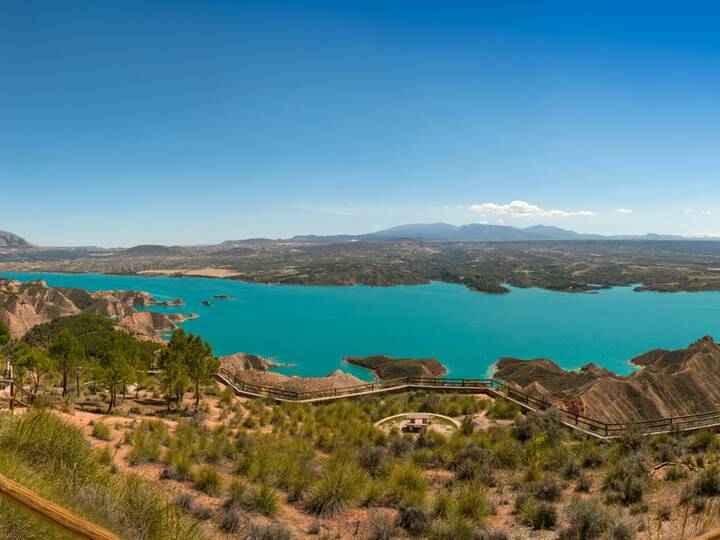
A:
x: 25, y: 305
x: 254, y: 370
x: 670, y: 383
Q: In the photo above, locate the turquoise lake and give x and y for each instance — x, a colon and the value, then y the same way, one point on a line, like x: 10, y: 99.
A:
x: 314, y: 327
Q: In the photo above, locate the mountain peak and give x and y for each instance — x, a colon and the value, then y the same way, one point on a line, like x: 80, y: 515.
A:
x: 8, y: 239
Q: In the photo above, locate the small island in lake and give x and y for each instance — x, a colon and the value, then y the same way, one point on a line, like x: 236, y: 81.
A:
x: 177, y: 302
x: 387, y: 367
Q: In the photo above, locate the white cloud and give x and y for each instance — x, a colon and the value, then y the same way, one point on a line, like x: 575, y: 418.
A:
x: 704, y: 234
x: 706, y: 212
x: 522, y: 209
x: 624, y: 211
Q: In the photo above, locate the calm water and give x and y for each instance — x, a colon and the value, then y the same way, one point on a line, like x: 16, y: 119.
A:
x: 314, y: 327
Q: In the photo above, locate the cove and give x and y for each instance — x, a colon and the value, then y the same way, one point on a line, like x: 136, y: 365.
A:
x: 314, y: 327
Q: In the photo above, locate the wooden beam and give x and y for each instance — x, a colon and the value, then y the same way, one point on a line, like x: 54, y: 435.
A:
x: 54, y: 513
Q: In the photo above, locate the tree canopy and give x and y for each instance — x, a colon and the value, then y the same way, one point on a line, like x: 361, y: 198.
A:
x: 190, y: 356
x: 67, y: 353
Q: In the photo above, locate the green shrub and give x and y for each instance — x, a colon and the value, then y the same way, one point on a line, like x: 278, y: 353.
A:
x: 399, y: 446
x: 414, y: 520
x: 234, y: 520
x: 442, y: 504
x: 219, y: 447
x: 702, y: 441
x: 591, y: 455
x: 430, y: 439
x: 147, y: 441
x: 675, y: 472
x: 101, y: 431
x: 227, y: 397
x: 381, y: 526
x: 105, y: 456
x: 371, y: 458
x: 237, y: 492
x: 707, y: 483
x: 270, y: 531
x: 621, y: 529
x: 506, y: 453
x: 572, y: 469
x: 547, y: 489
x: 631, y: 441
x: 470, y: 501
x: 538, y: 514
x: 467, y: 426
x: 453, y: 527
x: 179, y: 466
x: 16, y: 524
x: 587, y: 520
x: 341, y: 483
x: 626, y: 481
x: 504, y: 409
x: 406, y: 485
x: 207, y: 479
x: 547, y: 423
x: 374, y: 492
x: 665, y: 447
x: 185, y: 501
x: 584, y: 483
x: 44, y: 440
x: 263, y: 498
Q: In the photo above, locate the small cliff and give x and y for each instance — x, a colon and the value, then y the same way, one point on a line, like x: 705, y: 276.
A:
x: 669, y: 383
x: 24, y: 305
x: 387, y: 367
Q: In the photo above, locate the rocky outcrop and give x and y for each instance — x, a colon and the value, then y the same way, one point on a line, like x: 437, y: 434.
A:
x: 669, y: 383
x: 254, y: 369
x: 387, y: 367
x: 24, y: 305
x: 241, y: 361
x: 177, y: 302
x: 336, y: 379
x: 147, y: 323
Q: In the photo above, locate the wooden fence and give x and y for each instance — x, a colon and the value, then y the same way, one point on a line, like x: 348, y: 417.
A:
x: 493, y: 387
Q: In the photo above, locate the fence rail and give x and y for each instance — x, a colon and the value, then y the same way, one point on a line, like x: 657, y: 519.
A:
x: 493, y: 387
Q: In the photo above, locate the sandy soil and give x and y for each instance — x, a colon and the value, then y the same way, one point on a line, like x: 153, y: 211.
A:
x: 355, y: 523
x: 200, y: 272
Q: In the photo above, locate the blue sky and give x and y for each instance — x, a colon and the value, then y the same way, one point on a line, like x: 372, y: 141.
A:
x: 196, y: 122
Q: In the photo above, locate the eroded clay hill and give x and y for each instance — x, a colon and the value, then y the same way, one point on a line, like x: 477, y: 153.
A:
x: 669, y: 383
x: 24, y: 305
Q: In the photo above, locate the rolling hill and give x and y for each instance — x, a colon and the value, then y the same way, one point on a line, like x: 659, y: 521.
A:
x: 11, y: 240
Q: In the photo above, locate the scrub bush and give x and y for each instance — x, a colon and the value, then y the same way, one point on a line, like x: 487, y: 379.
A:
x: 341, y: 483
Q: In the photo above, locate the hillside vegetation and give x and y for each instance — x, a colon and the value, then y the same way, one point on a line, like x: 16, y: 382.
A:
x: 574, y: 266
x: 169, y: 454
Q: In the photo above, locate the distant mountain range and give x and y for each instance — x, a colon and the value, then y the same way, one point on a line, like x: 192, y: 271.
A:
x: 437, y: 232
x: 480, y: 232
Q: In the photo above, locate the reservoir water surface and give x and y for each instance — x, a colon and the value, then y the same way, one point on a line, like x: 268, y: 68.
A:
x: 314, y: 327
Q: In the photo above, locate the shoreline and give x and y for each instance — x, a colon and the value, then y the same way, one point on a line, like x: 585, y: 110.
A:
x: 236, y: 276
